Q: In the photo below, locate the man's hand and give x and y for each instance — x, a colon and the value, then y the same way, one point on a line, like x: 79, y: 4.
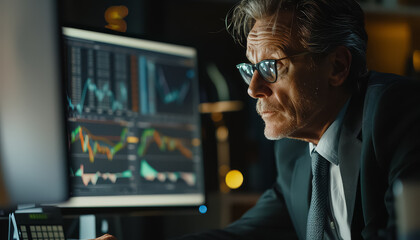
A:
x: 106, y: 237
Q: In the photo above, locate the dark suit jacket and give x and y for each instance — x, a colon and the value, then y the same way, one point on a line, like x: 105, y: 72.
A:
x: 379, y: 140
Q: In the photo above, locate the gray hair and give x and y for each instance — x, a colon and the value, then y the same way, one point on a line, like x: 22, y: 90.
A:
x: 318, y: 26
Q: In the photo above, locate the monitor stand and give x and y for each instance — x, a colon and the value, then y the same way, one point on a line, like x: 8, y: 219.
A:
x: 87, y: 226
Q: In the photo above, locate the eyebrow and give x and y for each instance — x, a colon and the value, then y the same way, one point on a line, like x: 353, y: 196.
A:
x: 268, y: 49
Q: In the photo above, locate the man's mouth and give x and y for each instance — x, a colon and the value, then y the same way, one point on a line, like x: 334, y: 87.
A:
x: 265, y: 109
x: 267, y: 113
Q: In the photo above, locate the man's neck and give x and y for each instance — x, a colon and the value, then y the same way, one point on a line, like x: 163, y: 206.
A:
x: 323, y: 119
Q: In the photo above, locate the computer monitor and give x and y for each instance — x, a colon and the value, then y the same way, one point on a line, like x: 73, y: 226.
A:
x: 33, y: 162
x: 134, y: 132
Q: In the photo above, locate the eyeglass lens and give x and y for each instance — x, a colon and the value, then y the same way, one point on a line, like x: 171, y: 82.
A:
x: 266, y: 68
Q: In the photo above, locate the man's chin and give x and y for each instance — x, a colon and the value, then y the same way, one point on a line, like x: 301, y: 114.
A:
x: 275, y: 134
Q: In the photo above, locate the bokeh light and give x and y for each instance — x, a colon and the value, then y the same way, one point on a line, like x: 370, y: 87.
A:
x: 202, y: 209
x: 234, y: 179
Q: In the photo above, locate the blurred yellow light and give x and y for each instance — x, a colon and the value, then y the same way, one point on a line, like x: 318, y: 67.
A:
x: 114, y: 16
x: 216, y: 116
x: 234, y: 179
x: 223, y: 106
x: 196, y: 142
x: 222, y: 133
x: 389, y: 45
x: 416, y: 60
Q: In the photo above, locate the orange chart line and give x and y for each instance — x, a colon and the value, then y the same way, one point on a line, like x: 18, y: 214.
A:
x: 167, y: 140
x: 82, y: 141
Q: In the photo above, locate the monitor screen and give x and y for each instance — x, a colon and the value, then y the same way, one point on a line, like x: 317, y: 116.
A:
x: 134, y: 132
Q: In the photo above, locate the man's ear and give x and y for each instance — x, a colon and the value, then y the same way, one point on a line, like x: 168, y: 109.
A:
x: 341, y: 62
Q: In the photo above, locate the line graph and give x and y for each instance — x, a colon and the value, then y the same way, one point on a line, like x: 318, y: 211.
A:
x: 94, y: 177
x: 173, y: 88
x: 101, y: 93
x: 164, y: 143
x: 151, y: 174
x: 94, y: 145
x: 169, y: 95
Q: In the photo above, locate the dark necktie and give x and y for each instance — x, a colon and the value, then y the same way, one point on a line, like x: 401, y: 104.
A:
x: 317, y: 216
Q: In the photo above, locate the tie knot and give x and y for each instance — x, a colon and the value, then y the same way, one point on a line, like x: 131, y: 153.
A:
x: 319, y: 165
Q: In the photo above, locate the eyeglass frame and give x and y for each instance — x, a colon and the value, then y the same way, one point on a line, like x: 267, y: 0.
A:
x: 256, y: 67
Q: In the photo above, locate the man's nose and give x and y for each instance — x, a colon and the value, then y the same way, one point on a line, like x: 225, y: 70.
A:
x: 258, y: 87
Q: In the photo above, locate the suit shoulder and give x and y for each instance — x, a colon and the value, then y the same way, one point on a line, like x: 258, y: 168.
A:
x: 387, y: 88
x: 380, y: 82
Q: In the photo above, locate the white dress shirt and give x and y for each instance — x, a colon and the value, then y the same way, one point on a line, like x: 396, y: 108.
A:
x: 328, y: 148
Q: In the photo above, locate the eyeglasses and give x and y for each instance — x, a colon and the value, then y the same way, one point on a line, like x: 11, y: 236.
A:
x: 266, y: 68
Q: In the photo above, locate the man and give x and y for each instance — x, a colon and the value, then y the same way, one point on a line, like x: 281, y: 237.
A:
x: 308, y: 72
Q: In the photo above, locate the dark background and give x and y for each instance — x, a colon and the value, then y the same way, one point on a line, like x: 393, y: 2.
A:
x: 393, y: 41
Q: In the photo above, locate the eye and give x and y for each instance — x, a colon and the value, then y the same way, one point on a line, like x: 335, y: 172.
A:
x: 282, y: 67
x: 283, y: 62
x: 283, y: 71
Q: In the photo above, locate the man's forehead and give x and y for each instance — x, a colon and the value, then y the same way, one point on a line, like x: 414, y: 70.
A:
x: 264, y: 30
x: 268, y: 35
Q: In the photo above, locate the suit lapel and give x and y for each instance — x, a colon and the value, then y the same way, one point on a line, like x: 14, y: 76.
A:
x: 349, y: 152
x: 301, y: 189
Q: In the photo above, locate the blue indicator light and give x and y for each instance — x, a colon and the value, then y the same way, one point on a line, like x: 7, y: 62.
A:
x: 202, y: 209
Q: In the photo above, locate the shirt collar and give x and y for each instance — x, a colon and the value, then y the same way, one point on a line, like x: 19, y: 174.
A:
x: 328, y: 144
